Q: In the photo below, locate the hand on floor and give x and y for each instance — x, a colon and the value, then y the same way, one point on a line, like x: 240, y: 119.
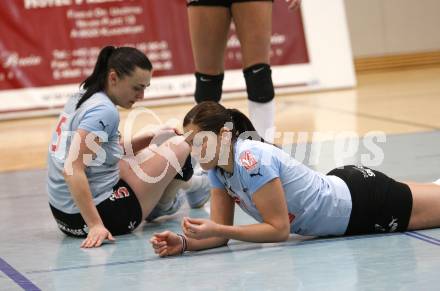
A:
x: 97, y: 235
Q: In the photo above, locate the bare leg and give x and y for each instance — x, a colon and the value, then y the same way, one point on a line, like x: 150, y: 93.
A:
x: 209, y: 27
x: 426, y: 206
x: 149, y: 191
x: 253, y: 21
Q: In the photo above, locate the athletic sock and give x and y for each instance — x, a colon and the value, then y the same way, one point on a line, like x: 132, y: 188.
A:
x: 262, y: 116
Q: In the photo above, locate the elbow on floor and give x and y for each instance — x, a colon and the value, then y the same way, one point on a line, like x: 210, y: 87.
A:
x: 283, y: 235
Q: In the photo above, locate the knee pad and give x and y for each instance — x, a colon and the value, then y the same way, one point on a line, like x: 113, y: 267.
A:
x: 187, y: 170
x: 259, y: 83
x: 208, y: 87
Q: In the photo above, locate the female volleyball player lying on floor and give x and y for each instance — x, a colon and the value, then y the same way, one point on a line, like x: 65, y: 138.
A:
x: 94, y: 190
x: 285, y: 196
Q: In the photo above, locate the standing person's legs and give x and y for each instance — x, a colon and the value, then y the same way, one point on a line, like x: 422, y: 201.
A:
x: 151, y: 177
x: 209, y: 27
x: 426, y: 206
x: 253, y: 21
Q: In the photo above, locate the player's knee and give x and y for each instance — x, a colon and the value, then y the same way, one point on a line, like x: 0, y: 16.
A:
x: 179, y: 146
x: 259, y: 83
x: 208, y: 87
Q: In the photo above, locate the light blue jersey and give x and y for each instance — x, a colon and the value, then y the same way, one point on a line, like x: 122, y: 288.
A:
x: 317, y: 204
x: 99, y: 116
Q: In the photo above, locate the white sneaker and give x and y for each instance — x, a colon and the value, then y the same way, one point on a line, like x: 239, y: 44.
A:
x: 200, y: 193
x: 437, y: 182
x: 157, y: 212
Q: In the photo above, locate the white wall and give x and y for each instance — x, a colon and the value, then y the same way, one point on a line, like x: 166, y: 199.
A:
x: 390, y: 27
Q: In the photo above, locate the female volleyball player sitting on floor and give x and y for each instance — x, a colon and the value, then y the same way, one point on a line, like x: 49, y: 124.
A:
x: 94, y: 193
x: 285, y: 196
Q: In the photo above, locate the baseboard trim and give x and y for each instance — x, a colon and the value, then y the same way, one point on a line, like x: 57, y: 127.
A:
x: 391, y: 62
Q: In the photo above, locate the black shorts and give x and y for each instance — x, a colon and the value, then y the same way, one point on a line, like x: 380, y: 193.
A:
x: 380, y: 204
x: 121, y: 213
x: 224, y: 3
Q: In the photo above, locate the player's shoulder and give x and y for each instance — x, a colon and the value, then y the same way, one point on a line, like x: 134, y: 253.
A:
x: 249, y: 154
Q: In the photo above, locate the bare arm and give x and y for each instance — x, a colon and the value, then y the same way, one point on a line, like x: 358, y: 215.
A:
x: 143, y: 140
x: 214, y: 232
x: 222, y: 213
x: 137, y: 143
x: 76, y: 179
x: 275, y: 227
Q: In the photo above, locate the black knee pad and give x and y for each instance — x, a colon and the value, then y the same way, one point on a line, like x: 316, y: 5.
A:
x: 208, y: 87
x: 187, y: 170
x: 259, y: 83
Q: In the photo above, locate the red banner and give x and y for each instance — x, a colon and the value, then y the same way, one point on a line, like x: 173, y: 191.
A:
x: 55, y: 42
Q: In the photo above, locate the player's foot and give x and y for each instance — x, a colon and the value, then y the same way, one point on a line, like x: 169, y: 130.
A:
x: 200, y: 191
x: 158, y: 212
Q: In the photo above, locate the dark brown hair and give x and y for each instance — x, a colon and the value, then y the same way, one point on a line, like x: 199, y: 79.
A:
x: 123, y: 60
x: 212, y: 116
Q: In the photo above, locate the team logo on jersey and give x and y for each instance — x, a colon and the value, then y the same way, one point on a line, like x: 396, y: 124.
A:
x: 103, y: 124
x: 248, y: 161
x: 256, y: 174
